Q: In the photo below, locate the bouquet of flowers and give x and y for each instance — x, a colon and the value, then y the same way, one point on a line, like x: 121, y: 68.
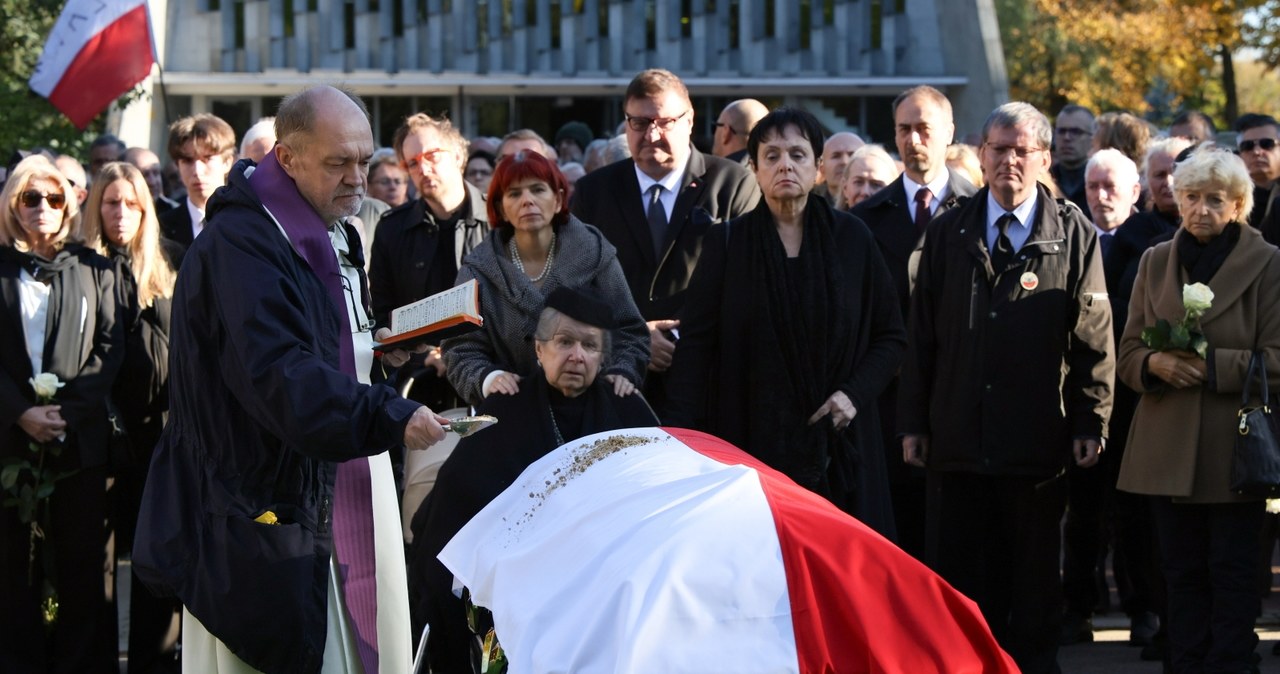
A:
x: 1185, y: 334
x: 28, y: 483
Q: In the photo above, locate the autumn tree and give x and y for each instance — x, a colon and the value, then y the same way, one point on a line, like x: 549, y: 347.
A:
x: 1152, y: 57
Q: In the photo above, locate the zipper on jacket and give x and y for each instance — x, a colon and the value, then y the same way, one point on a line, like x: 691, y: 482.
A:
x: 973, y: 297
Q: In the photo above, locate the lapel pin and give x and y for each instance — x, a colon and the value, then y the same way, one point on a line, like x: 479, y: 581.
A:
x: 1029, y: 281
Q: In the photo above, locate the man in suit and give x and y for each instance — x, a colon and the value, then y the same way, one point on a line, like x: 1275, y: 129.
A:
x: 733, y: 126
x: 419, y: 245
x: 656, y: 206
x: 1094, y: 509
x: 1006, y: 382
x: 837, y: 152
x: 897, y: 217
x: 148, y: 163
x: 204, y: 147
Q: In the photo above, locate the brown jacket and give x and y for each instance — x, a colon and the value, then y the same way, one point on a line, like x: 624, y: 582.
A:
x: 1180, y: 441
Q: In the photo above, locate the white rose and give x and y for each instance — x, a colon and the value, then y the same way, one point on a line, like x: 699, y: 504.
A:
x: 1196, y: 298
x: 46, y: 385
x: 1273, y: 506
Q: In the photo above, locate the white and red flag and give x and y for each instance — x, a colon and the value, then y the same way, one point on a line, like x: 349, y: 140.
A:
x: 664, y: 550
x: 98, y: 50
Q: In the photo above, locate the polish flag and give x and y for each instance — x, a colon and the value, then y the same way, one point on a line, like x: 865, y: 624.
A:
x: 98, y: 50
x: 662, y: 550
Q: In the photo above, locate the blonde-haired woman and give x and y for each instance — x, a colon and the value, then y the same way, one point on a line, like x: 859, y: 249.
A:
x: 120, y: 222
x: 57, y: 315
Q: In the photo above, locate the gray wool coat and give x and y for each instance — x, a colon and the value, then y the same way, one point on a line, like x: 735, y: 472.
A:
x: 510, y: 304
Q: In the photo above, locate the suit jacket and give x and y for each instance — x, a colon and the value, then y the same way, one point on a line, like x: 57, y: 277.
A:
x: 712, y: 190
x: 888, y: 216
x: 1180, y: 441
x: 175, y: 225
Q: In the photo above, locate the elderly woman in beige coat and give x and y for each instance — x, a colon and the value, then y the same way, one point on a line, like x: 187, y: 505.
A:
x: 1181, y: 439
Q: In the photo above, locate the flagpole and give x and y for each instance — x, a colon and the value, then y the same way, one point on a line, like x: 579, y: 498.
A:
x: 164, y: 94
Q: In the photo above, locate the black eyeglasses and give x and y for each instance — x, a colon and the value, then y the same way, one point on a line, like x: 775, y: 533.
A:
x: 1267, y: 144
x: 32, y: 199
x: 662, y: 123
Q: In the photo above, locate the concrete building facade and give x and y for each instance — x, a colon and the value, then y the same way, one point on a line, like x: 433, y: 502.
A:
x: 495, y: 65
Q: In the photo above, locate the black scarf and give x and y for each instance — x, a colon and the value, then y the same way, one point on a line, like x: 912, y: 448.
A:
x: 62, y: 337
x: 1202, y: 260
x: 801, y: 344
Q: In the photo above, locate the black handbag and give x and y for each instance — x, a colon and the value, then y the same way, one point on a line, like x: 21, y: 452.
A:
x: 1255, y: 465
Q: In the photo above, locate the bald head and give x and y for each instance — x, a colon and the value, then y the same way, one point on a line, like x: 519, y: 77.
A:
x: 836, y: 153
x: 734, y: 125
x: 325, y: 144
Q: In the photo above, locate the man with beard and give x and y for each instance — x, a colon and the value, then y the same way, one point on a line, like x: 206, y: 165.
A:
x: 656, y: 206
x: 1072, y: 139
x: 419, y: 245
x: 204, y: 148
x: 1006, y: 382
x: 898, y: 215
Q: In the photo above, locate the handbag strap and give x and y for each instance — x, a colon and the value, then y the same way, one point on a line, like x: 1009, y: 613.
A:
x: 1256, y: 363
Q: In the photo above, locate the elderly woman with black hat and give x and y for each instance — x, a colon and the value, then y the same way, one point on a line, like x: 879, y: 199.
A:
x: 561, y: 399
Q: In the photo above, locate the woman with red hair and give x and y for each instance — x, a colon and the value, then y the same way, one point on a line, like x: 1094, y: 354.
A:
x: 534, y: 248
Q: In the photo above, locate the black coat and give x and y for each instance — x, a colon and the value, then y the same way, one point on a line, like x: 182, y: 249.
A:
x: 83, y: 399
x: 1002, y: 377
x: 175, y: 225
x: 404, y: 250
x: 712, y: 190
x: 477, y: 471
x: 888, y: 216
x: 708, y: 386
x: 260, y: 413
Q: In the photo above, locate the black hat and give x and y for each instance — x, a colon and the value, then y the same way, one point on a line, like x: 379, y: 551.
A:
x: 581, y: 305
x: 577, y: 131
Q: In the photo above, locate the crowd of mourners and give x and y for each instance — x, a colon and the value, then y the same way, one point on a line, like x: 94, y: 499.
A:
x: 944, y: 339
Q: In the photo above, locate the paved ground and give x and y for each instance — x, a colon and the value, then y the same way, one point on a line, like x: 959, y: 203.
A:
x: 1110, y: 652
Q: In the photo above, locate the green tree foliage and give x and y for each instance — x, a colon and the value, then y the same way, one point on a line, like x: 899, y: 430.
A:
x: 1151, y: 57
x: 26, y: 119
x: 1262, y: 33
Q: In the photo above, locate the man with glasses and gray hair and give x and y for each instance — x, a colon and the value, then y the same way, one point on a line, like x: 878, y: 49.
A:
x: 1257, y: 143
x: 656, y: 206
x: 1007, y: 381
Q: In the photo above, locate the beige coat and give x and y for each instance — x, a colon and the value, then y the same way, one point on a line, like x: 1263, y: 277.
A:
x: 1180, y: 441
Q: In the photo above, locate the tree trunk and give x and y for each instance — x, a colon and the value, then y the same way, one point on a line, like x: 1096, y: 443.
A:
x: 1232, y: 109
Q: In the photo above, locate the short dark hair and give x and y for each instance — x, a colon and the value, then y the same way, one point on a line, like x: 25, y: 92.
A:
x: 1253, y: 120
x: 927, y: 92
x: 781, y: 118
x: 1072, y: 107
x: 1194, y: 116
x: 654, y: 82
x: 107, y: 139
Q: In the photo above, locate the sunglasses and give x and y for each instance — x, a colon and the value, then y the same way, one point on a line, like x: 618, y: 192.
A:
x: 32, y: 199
x: 1267, y: 144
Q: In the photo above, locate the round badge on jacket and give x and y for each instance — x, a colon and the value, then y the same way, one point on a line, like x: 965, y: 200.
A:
x: 1029, y: 281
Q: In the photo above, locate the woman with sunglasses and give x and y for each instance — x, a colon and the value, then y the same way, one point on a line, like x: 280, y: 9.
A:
x: 120, y: 223
x: 58, y: 316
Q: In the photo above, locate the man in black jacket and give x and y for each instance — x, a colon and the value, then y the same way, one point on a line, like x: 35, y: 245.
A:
x: 266, y: 508
x: 204, y: 148
x: 897, y: 216
x: 656, y: 206
x: 418, y: 246
x: 1006, y: 382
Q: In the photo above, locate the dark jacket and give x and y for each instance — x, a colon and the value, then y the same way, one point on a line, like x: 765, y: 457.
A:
x: 712, y: 190
x: 259, y: 416
x: 482, y: 466
x: 404, y: 249
x: 175, y: 225
x: 888, y: 216
x: 87, y: 374
x: 1000, y: 375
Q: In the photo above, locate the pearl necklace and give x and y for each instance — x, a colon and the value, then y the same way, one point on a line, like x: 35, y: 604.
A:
x: 546, y: 268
